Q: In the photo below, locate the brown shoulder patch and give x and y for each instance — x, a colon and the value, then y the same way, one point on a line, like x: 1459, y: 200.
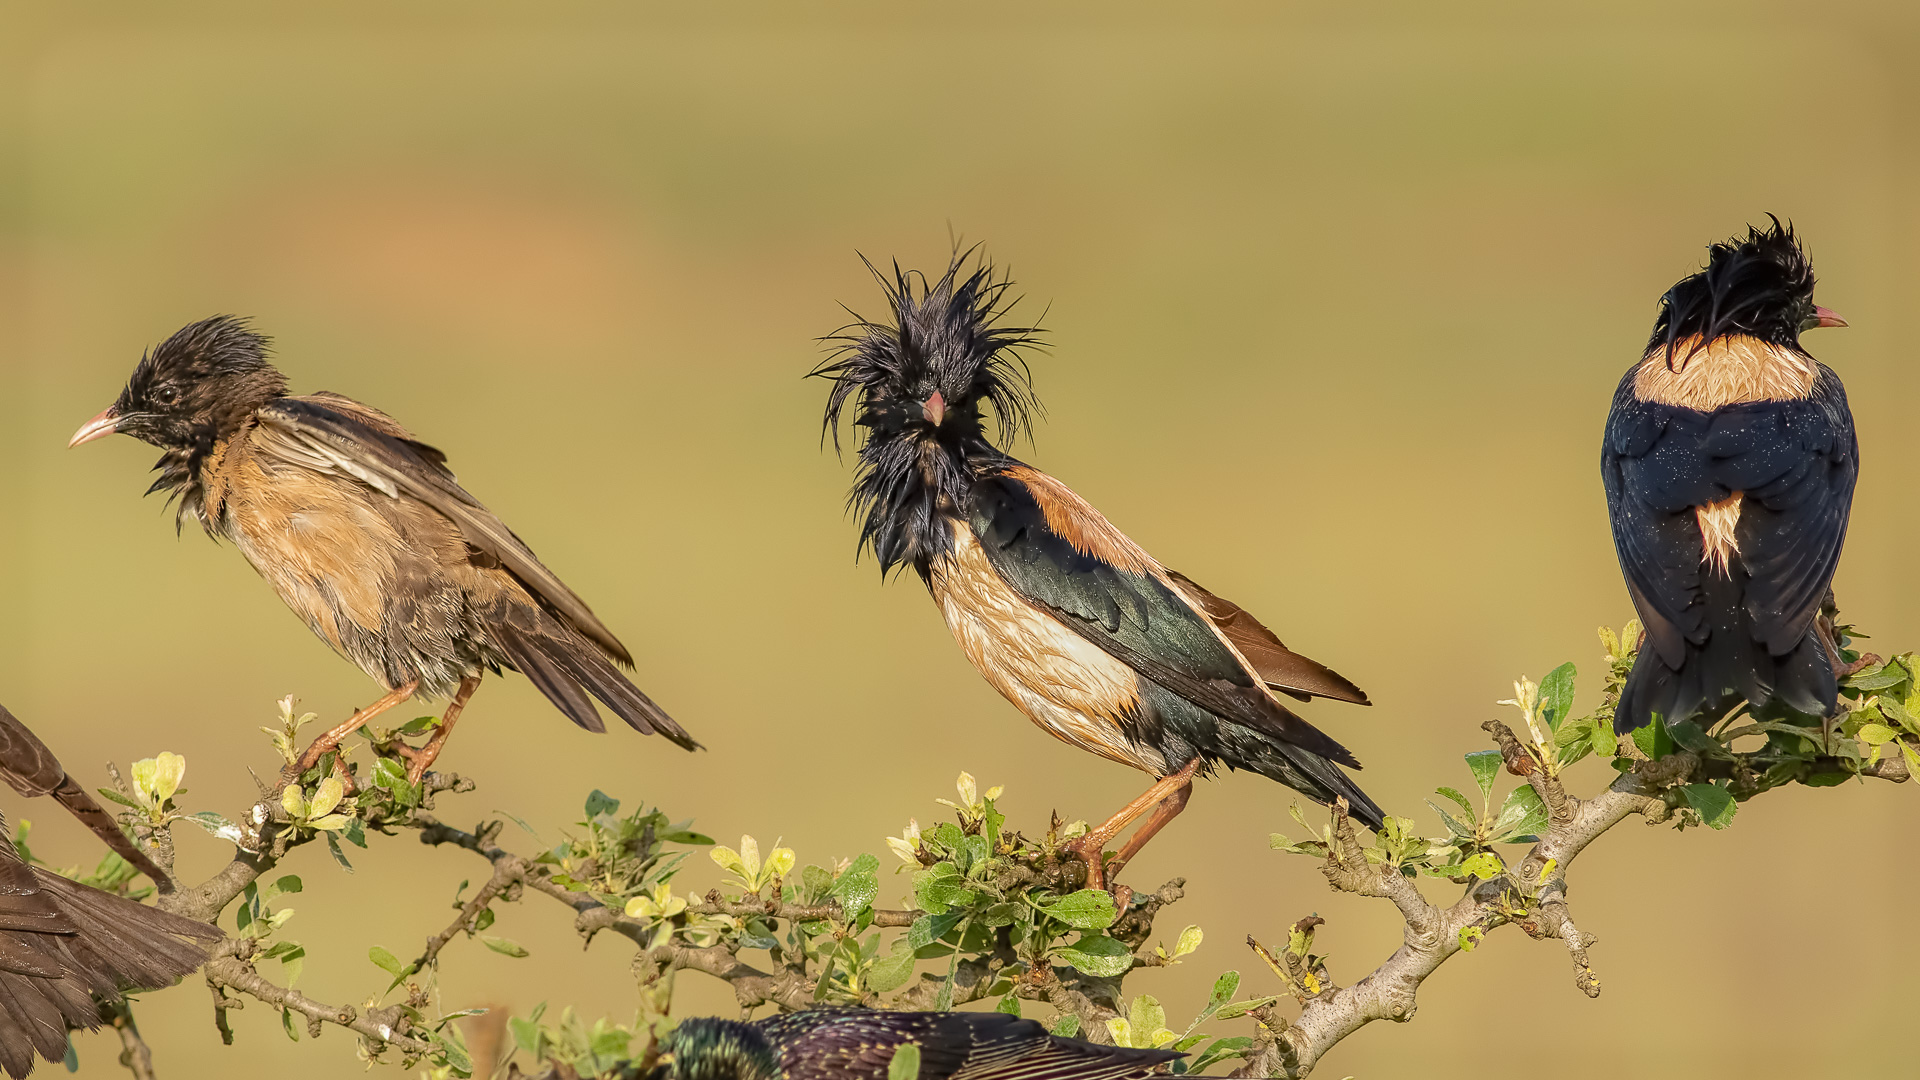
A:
x: 1075, y: 520
x: 1276, y: 665
x: 1730, y: 371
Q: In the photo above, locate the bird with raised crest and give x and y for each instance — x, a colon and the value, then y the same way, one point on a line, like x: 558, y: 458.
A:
x: 365, y: 533
x: 859, y: 1044
x: 68, y: 950
x: 1093, y: 639
x: 1729, y: 462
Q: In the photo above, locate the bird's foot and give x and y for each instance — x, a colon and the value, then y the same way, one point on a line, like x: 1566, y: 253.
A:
x: 1093, y: 856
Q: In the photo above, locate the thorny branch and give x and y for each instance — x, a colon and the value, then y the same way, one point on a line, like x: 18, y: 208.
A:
x: 1531, y: 895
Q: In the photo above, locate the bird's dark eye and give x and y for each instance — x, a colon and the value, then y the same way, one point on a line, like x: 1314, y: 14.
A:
x: 164, y: 395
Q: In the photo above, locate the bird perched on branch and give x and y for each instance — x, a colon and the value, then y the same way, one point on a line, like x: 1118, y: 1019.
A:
x: 1098, y: 643
x: 30, y: 768
x: 66, y: 949
x: 367, y: 536
x: 1729, y: 463
x: 851, y: 1044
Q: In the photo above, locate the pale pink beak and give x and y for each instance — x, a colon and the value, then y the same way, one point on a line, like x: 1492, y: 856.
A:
x: 1827, y: 318
x: 97, y: 428
x: 935, y: 410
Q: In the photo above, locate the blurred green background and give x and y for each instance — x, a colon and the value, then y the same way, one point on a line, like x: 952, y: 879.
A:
x: 1337, y: 299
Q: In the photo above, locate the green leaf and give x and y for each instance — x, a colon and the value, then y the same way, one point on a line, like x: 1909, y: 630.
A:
x: 601, y: 803
x: 1224, y: 988
x: 1653, y: 739
x: 1485, y: 866
x: 1485, y: 765
x: 288, y: 1025
x: 333, y: 849
x: 115, y: 796
x: 1189, y: 941
x: 905, y: 1064
x: 1470, y: 937
x: 527, y: 1036
x: 387, y: 962
x: 1522, y: 815
x: 503, y: 946
x: 454, y: 1046
x: 891, y: 972
x: 1088, y: 909
x: 928, y: 929
x: 1097, y: 954
x: 857, y: 886
x: 1009, y: 1005
x: 419, y: 725
x: 1465, y: 806
x: 1556, y: 695
x: 1066, y: 1026
x: 1714, y: 804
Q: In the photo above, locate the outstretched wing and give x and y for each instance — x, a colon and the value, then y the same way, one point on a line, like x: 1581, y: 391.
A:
x: 1062, y: 556
x: 335, y: 434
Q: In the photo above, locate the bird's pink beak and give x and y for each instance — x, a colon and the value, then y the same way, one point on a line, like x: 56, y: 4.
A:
x: 97, y: 428
x: 935, y: 409
x: 1824, y: 317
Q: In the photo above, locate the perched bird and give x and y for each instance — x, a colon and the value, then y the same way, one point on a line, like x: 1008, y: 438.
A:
x: 856, y: 1044
x: 1098, y: 643
x: 30, y: 768
x: 1729, y: 463
x: 69, y: 950
x: 366, y: 535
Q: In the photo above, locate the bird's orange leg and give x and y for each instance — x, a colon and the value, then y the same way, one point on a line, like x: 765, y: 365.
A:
x: 1092, y: 846
x: 354, y: 723
x: 1168, y: 809
x: 418, y: 761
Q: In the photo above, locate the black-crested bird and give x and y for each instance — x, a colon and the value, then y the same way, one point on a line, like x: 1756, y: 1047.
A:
x: 364, y: 532
x: 850, y: 1044
x: 1098, y: 643
x: 1729, y: 463
x: 67, y: 949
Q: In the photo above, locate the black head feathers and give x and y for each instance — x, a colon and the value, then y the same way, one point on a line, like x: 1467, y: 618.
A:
x: 946, y: 338
x: 199, y: 385
x: 1759, y: 287
x: 920, y: 386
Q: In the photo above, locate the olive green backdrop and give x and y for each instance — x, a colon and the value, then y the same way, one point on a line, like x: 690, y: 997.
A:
x: 1337, y: 301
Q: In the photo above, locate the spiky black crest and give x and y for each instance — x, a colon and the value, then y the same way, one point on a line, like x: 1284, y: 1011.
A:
x: 948, y: 337
x: 1760, y: 287
x: 197, y: 388
x: 708, y: 1048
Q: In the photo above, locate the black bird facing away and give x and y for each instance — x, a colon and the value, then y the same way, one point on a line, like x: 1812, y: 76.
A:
x: 30, y: 768
x: 1729, y: 462
x: 1098, y: 643
x: 68, y: 950
x: 849, y: 1044
x: 364, y: 532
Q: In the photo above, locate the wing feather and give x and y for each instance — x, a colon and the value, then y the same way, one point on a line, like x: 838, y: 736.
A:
x: 330, y: 433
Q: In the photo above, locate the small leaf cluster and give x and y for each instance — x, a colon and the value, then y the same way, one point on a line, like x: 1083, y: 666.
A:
x: 1144, y: 1026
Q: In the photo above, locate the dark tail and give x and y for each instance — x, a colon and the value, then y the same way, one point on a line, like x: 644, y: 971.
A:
x: 1299, y: 768
x: 65, y: 948
x: 567, y: 667
x: 1729, y: 667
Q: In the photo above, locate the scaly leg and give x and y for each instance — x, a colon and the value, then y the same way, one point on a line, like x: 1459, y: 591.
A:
x: 332, y: 738
x: 1090, y: 847
x: 418, y: 761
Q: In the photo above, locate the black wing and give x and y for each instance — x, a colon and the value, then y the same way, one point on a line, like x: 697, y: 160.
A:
x: 859, y: 1045
x: 1134, y: 617
x: 31, y: 769
x: 1795, y: 462
x: 315, y: 433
